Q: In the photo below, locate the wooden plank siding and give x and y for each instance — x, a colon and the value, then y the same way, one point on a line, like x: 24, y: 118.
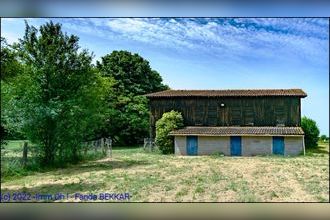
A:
x: 237, y: 111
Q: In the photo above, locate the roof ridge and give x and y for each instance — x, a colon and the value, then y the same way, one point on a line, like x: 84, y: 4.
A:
x: 231, y: 89
x: 229, y: 92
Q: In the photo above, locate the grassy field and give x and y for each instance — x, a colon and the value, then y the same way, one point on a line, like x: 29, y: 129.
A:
x: 152, y: 177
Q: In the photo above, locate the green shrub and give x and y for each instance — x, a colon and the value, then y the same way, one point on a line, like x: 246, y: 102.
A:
x: 170, y: 121
x: 311, y: 132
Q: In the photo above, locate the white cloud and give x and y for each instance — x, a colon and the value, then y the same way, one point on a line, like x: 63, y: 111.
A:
x: 224, y: 38
x: 235, y: 37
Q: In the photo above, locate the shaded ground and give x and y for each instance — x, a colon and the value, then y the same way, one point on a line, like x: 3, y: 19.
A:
x: 154, y: 178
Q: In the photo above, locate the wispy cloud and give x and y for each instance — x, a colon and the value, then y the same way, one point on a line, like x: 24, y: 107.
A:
x: 233, y: 38
x: 241, y: 37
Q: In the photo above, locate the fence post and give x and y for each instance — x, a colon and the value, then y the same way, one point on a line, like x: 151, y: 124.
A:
x: 152, y: 145
x: 102, y: 146
x: 25, y: 152
x: 144, y: 143
x: 109, y: 147
x: 94, y: 146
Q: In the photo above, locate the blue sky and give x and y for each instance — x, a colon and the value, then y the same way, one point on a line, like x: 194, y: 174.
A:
x: 216, y: 53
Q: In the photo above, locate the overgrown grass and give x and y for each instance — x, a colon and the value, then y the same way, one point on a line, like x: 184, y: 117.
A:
x: 154, y: 177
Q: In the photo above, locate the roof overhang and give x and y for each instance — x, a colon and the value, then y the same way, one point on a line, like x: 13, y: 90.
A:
x: 238, y: 131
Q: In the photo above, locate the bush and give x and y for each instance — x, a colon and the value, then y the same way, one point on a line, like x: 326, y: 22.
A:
x: 170, y: 121
x: 311, y: 132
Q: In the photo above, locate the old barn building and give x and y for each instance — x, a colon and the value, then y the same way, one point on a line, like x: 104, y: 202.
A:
x: 233, y: 122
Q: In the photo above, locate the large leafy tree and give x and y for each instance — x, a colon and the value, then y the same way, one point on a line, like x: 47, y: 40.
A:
x: 59, y: 98
x: 129, y: 118
x: 132, y: 73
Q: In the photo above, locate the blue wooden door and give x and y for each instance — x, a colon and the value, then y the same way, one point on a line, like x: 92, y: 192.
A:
x: 235, y: 146
x: 278, y: 145
x: 192, y: 145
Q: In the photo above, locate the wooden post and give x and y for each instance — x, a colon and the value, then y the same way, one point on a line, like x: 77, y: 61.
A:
x: 95, y: 146
x: 110, y: 147
x: 102, y: 146
x: 144, y: 143
x: 152, y: 145
x: 25, y: 152
x: 304, y: 144
x: 109, y: 144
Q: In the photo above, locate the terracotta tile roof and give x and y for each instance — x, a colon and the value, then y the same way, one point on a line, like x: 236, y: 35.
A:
x: 228, y: 131
x: 226, y: 93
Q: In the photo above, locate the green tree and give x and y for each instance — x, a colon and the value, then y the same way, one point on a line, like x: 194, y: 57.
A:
x: 10, y: 67
x: 59, y: 99
x: 311, y: 130
x: 323, y: 137
x: 168, y: 122
x: 132, y: 73
x: 133, y: 77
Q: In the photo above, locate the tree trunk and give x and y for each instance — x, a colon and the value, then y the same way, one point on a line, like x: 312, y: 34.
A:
x: 49, y: 143
x: 49, y: 157
x: 75, y: 154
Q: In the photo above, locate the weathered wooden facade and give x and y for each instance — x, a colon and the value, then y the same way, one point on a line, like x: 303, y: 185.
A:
x: 225, y: 108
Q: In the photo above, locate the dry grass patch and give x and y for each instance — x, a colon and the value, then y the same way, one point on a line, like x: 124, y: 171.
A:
x: 153, y: 177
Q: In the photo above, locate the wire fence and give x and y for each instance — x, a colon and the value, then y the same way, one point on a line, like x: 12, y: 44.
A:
x: 102, y: 144
x: 149, y: 144
x: 23, y: 153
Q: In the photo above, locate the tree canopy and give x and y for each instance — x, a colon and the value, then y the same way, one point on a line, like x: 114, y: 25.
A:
x: 128, y: 121
x: 10, y: 65
x: 132, y: 73
x: 324, y: 137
